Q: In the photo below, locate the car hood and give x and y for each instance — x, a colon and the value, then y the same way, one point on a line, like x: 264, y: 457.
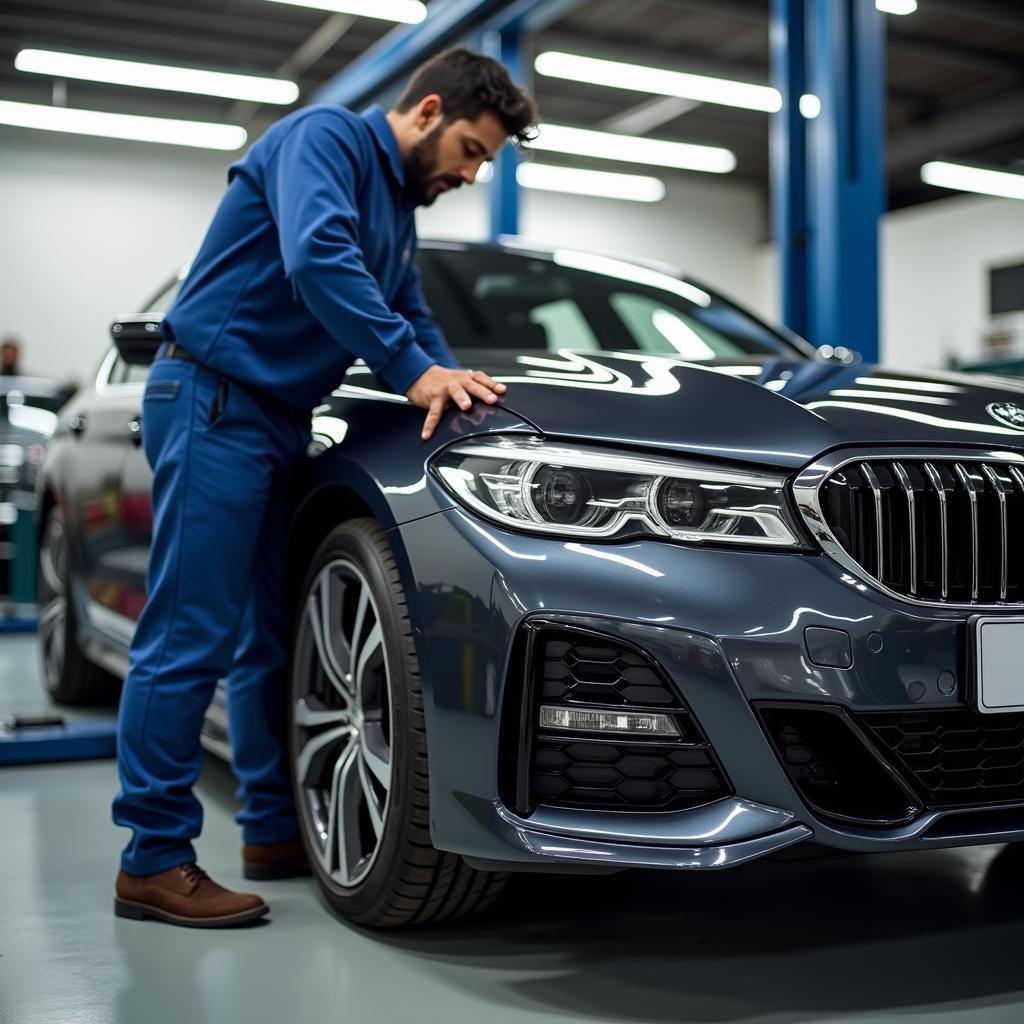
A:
x: 781, y: 412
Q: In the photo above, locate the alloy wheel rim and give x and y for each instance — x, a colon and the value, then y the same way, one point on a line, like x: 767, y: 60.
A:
x: 53, y: 608
x: 342, y: 723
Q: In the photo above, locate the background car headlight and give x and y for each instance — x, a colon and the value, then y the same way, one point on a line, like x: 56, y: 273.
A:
x: 578, y: 491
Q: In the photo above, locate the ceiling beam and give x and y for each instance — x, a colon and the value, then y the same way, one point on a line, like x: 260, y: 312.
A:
x: 1003, y: 16
x: 403, y: 48
x: 650, y: 114
x: 86, y: 34
x: 966, y: 57
x: 116, y: 14
x: 757, y: 11
x: 742, y: 44
x: 316, y: 45
x: 952, y: 134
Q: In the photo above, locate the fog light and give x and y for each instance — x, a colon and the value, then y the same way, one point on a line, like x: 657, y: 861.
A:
x: 582, y: 720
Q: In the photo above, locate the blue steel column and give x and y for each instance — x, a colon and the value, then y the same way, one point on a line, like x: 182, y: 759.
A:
x: 789, y: 162
x: 507, y: 45
x: 846, y: 146
x: 828, y: 173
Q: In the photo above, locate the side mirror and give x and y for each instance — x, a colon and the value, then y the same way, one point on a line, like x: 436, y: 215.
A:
x: 137, y: 338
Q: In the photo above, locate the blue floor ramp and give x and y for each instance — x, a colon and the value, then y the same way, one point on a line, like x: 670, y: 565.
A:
x: 63, y: 741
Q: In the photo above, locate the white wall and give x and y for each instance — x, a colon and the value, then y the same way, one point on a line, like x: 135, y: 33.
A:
x: 935, y: 260
x: 92, y: 228
x: 935, y: 263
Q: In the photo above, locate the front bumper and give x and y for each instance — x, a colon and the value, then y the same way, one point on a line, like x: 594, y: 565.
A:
x: 727, y: 627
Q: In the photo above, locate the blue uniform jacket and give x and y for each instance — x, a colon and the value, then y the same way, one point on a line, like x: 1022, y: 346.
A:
x: 309, y: 264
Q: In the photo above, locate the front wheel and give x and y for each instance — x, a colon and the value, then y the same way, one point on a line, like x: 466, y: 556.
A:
x: 358, y: 745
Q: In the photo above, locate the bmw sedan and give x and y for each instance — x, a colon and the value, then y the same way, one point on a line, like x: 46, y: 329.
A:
x: 689, y: 596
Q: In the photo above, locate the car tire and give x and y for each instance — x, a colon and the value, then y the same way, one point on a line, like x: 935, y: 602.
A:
x: 69, y: 677
x: 358, y: 736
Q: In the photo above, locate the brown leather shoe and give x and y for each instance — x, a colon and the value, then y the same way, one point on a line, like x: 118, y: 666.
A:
x: 184, y: 895
x: 265, y: 861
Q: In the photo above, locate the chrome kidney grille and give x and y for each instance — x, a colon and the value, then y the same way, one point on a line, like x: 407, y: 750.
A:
x: 933, y: 530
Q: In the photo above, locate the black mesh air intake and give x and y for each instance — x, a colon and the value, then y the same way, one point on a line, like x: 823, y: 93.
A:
x: 837, y: 773
x: 936, y: 530
x: 954, y: 757
x: 568, y: 667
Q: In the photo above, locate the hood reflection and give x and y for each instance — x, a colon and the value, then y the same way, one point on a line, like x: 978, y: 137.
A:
x: 777, y: 411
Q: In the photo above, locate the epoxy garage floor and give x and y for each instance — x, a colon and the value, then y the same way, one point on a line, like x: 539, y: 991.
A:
x: 923, y: 937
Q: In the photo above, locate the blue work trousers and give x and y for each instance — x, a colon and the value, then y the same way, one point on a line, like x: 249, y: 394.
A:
x: 222, y: 462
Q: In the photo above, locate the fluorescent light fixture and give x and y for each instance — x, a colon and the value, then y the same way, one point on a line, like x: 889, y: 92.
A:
x: 896, y: 6
x: 685, y: 156
x: 409, y: 12
x: 577, y: 180
x: 635, y: 188
x: 636, y: 273
x: 965, y: 178
x: 637, y: 78
x: 157, y: 76
x: 199, y: 134
x: 810, y: 105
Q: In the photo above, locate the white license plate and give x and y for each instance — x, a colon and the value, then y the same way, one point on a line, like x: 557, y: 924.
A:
x: 998, y: 664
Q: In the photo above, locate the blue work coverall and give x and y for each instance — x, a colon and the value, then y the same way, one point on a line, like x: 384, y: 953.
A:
x: 308, y: 264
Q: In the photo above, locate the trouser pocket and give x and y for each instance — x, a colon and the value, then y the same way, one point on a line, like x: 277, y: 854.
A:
x: 220, y: 401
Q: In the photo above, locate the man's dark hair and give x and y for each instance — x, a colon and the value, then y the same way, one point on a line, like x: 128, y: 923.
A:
x: 470, y: 84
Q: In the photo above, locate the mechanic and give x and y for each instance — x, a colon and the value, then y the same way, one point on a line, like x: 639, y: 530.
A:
x: 308, y: 265
x: 10, y: 357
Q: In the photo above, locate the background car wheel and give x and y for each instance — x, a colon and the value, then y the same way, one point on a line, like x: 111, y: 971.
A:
x: 68, y: 676
x: 358, y: 741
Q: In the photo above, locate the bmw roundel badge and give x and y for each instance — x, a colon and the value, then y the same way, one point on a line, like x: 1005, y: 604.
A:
x: 1008, y: 413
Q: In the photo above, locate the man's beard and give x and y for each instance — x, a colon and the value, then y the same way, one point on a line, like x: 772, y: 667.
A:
x: 421, y: 181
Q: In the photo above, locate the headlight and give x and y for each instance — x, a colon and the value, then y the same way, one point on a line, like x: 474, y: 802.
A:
x: 576, y: 491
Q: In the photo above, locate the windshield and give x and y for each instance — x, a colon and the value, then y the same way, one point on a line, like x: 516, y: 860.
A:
x: 489, y: 299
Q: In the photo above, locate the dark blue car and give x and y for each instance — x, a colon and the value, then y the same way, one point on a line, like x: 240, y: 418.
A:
x: 689, y: 596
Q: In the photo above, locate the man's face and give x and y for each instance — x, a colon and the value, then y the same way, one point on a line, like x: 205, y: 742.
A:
x: 451, y: 155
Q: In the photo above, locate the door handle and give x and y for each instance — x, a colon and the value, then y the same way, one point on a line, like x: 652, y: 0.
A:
x: 134, y: 429
x: 77, y: 425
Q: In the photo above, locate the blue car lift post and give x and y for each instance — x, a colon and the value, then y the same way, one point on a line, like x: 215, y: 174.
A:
x: 37, y: 739
x: 828, y: 184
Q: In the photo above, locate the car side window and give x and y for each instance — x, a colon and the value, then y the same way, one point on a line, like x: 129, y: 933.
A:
x: 165, y: 299
x: 665, y: 330
x: 124, y: 373
x: 564, y: 325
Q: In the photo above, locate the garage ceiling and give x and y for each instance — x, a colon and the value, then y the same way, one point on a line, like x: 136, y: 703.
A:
x: 955, y: 69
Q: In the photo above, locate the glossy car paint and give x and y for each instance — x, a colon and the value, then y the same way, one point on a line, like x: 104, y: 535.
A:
x: 727, y: 625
